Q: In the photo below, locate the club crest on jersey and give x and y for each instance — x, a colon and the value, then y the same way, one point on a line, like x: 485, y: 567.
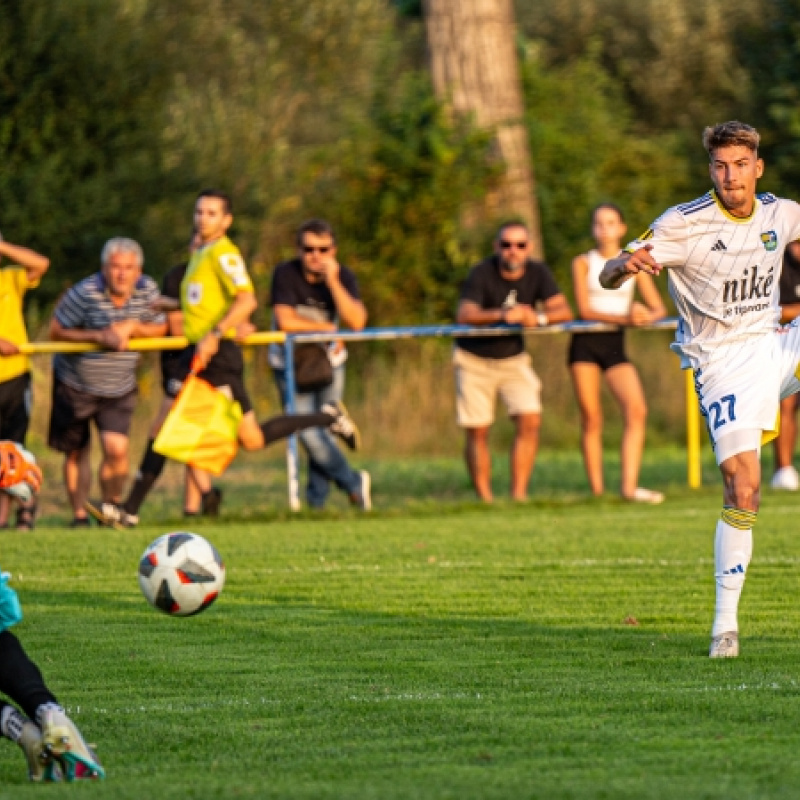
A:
x: 770, y: 240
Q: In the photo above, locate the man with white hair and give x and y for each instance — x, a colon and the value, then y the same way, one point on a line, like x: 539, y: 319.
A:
x: 108, y: 308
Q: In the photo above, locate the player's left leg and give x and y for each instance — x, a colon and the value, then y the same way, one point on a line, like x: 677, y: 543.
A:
x: 21, y: 680
x: 255, y: 436
x: 733, y: 543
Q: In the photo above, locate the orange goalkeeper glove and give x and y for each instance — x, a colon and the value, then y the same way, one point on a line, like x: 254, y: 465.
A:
x: 15, y: 468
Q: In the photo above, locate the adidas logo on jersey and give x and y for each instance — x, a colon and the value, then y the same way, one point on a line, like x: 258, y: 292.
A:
x: 720, y: 245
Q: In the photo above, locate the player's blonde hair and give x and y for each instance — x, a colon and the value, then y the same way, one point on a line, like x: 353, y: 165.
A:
x: 730, y: 134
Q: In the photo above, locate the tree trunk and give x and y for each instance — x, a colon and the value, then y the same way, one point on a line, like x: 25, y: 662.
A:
x: 474, y: 65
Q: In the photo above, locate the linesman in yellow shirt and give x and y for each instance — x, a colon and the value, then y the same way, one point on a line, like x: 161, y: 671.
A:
x: 24, y: 273
x: 216, y: 297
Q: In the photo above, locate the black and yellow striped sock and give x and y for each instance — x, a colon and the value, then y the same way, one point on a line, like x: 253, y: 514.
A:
x: 739, y: 517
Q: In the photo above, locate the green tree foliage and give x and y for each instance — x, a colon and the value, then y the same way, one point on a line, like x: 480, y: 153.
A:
x: 587, y: 150
x: 114, y: 113
x: 400, y: 187
x: 81, y: 86
x: 676, y: 61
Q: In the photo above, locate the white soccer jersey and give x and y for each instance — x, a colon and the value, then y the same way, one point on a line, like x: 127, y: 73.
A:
x: 723, y: 271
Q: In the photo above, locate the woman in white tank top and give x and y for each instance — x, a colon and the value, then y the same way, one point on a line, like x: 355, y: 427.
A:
x: 592, y: 354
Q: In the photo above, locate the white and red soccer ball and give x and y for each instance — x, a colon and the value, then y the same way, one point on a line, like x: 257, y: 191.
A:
x: 181, y: 574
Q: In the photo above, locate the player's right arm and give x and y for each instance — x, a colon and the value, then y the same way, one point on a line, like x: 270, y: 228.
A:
x: 580, y: 286
x: 663, y: 245
x: 620, y: 269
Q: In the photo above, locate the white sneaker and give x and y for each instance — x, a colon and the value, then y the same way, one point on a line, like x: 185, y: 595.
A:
x: 649, y: 496
x: 726, y: 645
x: 786, y: 479
x: 363, y: 497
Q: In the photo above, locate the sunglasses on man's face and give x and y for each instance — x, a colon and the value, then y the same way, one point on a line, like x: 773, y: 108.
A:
x: 505, y: 245
x: 307, y: 248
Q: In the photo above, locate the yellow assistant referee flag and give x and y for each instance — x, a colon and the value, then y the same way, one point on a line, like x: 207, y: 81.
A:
x: 201, y: 428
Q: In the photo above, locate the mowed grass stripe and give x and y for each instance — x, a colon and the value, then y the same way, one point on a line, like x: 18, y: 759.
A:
x: 510, y: 653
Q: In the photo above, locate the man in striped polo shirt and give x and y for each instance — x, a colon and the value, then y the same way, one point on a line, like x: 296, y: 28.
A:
x: 107, y: 308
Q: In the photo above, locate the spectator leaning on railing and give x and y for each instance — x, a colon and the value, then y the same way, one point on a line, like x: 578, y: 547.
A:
x: 107, y: 308
x: 509, y: 287
x: 25, y: 272
x: 593, y: 355
x: 315, y: 293
x: 217, y: 298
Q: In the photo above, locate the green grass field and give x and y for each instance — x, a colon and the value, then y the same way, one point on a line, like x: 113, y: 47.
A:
x: 437, y: 649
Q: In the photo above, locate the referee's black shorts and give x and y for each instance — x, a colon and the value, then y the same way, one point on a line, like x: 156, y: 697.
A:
x: 15, y: 407
x: 226, y: 368
x: 172, y: 372
x: 605, y: 350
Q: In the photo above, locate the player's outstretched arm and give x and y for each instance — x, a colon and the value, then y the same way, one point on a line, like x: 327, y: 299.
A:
x: 625, y: 266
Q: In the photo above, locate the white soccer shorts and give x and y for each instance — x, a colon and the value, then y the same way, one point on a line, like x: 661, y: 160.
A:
x: 743, y: 391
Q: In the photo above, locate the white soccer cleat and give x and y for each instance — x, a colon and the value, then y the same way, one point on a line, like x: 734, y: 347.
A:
x: 63, y: 742
x: 786, y: 479
x: 726, y: 645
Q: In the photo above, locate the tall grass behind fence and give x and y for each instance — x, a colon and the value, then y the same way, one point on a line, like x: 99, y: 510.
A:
x: 402, y: 394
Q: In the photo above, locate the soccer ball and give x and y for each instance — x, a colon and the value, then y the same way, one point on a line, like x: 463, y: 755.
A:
x: 181, y: 574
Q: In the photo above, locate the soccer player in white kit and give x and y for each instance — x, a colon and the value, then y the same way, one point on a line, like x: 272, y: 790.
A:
x: 724, y: 253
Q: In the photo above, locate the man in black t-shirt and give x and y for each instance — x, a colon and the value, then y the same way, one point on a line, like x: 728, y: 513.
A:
x: 507, y: 288
x: 786, y: 476
x: 314, y: 293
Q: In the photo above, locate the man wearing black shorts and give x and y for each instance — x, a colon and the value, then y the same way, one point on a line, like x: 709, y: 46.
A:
x: 175, y: 365
x: 216, y: 298
x: 172, y: 377
x: 24, y: 273
x: 107, y: 308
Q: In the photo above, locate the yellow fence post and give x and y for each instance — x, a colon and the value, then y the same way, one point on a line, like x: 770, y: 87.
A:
x: 693, y: 464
